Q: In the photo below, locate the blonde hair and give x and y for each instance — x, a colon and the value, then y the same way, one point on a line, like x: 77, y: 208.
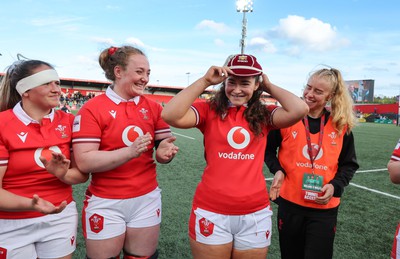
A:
x: 342, y: 112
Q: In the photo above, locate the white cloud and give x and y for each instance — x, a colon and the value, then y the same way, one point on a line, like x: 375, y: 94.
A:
x: 135, y: 41
x: 310, y: 34
x: 213, y: 26
x: 262, y: 44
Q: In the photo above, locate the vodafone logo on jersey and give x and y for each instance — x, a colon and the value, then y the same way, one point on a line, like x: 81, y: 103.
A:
x: 314, y: 149
x: 45, y: 152
x: 238, y: 137
x: 314, y: 152
x: 130, y: 133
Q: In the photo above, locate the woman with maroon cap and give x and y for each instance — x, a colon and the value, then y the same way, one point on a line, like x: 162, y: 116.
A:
x: 231, y: 215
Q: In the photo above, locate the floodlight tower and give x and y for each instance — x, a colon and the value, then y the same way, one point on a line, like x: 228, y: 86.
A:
x: 244, y: 6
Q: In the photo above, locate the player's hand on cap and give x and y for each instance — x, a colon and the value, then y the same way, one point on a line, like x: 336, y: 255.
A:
x: 216, y: 75
x: 265, y: 83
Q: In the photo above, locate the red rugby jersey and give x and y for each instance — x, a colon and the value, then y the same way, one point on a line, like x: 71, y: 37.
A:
x: 115, y: 123
x: 22, y: 141
x: 233, y: 181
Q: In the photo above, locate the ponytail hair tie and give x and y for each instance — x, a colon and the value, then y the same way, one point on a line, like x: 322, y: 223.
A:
x: 112, y: 50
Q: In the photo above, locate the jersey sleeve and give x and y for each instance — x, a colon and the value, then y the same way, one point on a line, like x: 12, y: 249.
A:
x: 86, y: 128
x: 162, y: 129
x: 396, y: 152
x: 201, y: 110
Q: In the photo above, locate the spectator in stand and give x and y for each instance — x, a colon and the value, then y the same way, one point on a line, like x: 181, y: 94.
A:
x: 65, y: 109
x: 316, y: 160
x: 394, y: 173
x: 38, y: 217
x: 231, y: 215
x: 114, y: 137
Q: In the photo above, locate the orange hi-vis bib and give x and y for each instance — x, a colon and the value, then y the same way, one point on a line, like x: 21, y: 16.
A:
x: 294, y: 158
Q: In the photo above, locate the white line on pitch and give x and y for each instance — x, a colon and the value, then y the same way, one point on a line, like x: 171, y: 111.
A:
x: 376, y: 191
x: 182, y: 135
x: 372, y: 170
x: 363, y: 187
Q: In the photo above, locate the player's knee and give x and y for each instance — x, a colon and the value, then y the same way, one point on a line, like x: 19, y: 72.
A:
x: 131, y: 256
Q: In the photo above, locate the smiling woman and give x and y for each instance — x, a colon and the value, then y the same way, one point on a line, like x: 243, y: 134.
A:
x: 31, y: 130
x: 114, y: 137
x: 235, y: 124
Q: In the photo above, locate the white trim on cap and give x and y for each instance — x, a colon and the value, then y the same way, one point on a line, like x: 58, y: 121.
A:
x: 40, y: 78
x: 246, y: 67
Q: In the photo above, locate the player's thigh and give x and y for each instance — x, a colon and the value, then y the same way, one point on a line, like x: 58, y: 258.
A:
x: 105, y: 248
x: 142, y: 240
x: 204, y: 251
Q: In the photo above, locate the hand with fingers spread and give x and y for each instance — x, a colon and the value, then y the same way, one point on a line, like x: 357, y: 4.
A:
x: 46, y: 207
x: 58, y: 164
x: 167, y: 150
x: 140, y: 145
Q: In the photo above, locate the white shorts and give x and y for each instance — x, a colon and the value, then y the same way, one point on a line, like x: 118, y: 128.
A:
x: 108, y: 218
x: 245, y: 231
x: 50, y: 236
x: 395, y: 254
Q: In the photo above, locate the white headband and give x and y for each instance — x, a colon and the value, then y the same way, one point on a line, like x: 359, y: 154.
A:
x: 40, y: 78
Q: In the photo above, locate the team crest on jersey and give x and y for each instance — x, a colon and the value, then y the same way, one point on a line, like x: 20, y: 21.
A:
x: 46, y: 153
x: 206, y: 227
x: 3, y: 253
x: 144, y: 112
x: 96, y: 222
x: 130, y: 134
x: 22, y: 136
x: 333, y: 136
x: 61, y: 131
x: 238, y: 137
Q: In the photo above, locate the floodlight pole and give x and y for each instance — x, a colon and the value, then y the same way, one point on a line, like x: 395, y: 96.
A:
x: 244, y: 6
x: 188, y: 76
x: 244, y: 30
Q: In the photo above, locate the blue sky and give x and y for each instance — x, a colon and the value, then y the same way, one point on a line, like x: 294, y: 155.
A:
x: 183, y: 38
